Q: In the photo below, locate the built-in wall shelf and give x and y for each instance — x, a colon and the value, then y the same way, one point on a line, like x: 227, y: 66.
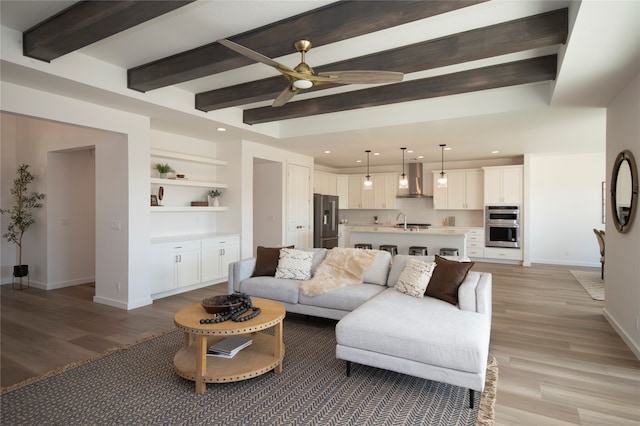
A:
x: 186, y: 157
x: 187, y: 182
x: 167, y: 209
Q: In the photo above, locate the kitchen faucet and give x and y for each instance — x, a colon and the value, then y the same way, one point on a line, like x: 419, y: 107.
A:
x: 405, y: 220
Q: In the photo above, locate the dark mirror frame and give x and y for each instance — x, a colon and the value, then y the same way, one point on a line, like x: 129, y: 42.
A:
x: 624, y: 157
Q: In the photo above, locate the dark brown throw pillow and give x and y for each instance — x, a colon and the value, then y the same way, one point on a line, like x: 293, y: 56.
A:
x: 267, y: 261
x: 446, y: 278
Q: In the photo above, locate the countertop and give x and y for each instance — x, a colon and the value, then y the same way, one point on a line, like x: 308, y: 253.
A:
x: 190, y: 237
x: 386, y: 229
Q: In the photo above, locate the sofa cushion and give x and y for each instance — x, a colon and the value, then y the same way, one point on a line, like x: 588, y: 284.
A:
x: 267, y: 261
x: 271, y: 288
x: 399, y: 262
x: 446, y: 279
x: 294, y: 264
x: 345, y: 299
x: 377, y: 273
x: 427, y: 330
x: 414, y: 277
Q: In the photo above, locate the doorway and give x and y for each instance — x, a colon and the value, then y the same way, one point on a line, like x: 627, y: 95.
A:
x: 71, y: 217
x: 267, y: 203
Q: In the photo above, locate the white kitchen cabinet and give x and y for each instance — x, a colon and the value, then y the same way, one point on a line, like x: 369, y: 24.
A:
x: 464, y: 190
x: 217, y: 254
x: 178, y: 193
x: 503, y: 185
x: 502, y: 253
x: 475, y: 242
x: 324, y: 183
x: 385, y: 191
x: 381, y: 195
x: 174, y: 265
x: 342, y: 187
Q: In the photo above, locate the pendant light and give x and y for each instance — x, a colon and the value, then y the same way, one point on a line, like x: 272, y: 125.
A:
x: 404, y: 182
x: 442, y: 180
x: 367, y: 182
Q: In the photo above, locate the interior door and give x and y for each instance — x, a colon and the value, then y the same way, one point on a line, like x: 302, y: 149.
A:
x: 298, y: 206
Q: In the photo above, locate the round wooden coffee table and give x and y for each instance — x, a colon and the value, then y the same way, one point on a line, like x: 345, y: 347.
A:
x: 263, y: 355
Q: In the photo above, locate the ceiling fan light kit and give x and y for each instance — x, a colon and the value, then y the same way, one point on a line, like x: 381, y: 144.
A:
x: 304, y: 77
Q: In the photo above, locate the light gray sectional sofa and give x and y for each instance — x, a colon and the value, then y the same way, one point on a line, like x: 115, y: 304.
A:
x: 382, y: 327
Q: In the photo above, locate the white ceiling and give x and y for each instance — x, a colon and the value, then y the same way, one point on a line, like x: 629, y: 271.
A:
x: 601, y: 56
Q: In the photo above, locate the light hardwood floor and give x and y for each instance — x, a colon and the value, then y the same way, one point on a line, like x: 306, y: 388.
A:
x: 560, y: 362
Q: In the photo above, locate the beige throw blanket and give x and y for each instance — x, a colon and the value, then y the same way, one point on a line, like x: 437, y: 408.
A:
x: 341, y: 267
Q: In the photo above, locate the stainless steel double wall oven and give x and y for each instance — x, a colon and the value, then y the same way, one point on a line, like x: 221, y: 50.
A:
x: 502, y: 226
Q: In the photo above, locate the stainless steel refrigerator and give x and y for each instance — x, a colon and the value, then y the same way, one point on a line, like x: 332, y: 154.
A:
x: 325, y: 221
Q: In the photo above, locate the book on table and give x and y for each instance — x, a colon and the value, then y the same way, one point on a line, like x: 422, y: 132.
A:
x: 229, y: 347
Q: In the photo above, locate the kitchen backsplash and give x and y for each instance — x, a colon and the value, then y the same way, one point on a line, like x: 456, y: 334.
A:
x: 418, y: 210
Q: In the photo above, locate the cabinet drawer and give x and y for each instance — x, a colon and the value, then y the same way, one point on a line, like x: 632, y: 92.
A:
x: 500, y: 253
x: 177, y: 246
x: 475, y: 245
x: 220, y: 241
x: 475, y: 252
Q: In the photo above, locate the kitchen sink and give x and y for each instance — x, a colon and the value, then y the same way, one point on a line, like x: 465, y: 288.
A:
x: 414, y: 225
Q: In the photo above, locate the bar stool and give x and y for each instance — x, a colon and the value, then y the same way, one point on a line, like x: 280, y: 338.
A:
x: 364, y: 246
x: 418, y: 251
x: 446, y: 251
x: 391, y: 248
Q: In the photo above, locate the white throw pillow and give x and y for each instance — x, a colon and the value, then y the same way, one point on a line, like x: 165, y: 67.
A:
x: 294, y: 264
x: 415, y: 277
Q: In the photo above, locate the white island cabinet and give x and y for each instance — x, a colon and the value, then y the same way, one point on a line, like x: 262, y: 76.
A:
x: 434, y: 238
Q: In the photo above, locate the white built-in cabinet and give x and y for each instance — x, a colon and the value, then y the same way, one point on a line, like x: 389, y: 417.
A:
x: 217, y: 254
x: 178, y: 193
x: 381, y: 195
x: 464, y: 190
x: 503, y: 185
x: 179, y: 266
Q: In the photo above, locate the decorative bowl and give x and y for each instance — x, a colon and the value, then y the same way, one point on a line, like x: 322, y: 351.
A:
x: 217, y: 304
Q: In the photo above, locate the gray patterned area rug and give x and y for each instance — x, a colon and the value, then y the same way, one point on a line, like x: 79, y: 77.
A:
x: 591, y: 282
x: 137, y: 386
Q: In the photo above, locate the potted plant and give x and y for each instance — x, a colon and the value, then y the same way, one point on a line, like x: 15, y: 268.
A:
x: 163, y: 169
x: 21, y: 214
x: 213, y: 197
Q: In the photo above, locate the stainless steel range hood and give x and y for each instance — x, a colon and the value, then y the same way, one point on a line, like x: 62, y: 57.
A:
x: 416, y: 188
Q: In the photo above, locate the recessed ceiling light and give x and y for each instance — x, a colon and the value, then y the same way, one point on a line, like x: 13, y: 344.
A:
x: 376, y: 153
x: 327, y: 152
x: 448, y: 148
x: 495, y: 152
x: 358, y: 161
x: 409, y: 151
x: 221, y: 129
x: 420, y: 156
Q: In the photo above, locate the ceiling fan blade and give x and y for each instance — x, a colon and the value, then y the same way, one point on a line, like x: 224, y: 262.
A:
x: 364, y: 77
x: 284, y: 96
x: 251, y: 54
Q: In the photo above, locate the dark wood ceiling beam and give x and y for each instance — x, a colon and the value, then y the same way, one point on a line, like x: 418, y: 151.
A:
x: 87, y: 22
x: 328, y: 24
x: 510, y: 74
x: 532, y: 32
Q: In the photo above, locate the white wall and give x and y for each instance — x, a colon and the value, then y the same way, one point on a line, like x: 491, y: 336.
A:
x: 564, y: 205
x: 622, y: 271
x: 122, y: 184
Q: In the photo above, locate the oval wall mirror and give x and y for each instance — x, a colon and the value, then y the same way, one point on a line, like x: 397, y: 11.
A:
x: 624, y: 191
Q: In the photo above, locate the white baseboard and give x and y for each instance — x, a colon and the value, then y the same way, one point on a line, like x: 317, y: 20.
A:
x: 622, y: 333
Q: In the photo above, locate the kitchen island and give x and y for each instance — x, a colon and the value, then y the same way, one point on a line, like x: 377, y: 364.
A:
x: 433, y: 238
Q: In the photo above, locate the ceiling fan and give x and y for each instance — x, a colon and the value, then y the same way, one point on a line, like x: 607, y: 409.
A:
x: 303, y: 77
